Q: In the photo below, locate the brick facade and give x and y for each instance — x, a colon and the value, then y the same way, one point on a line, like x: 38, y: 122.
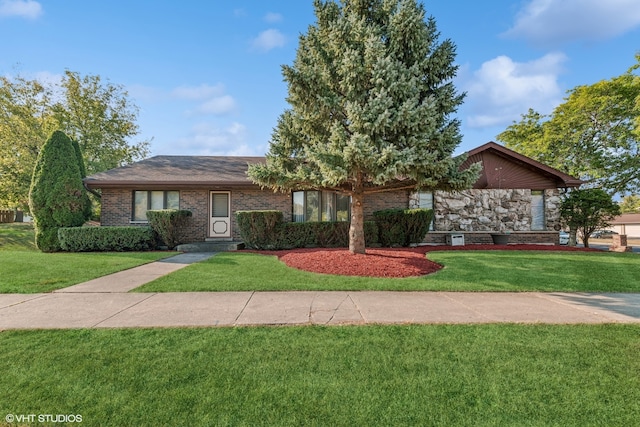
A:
x: 117, y: 208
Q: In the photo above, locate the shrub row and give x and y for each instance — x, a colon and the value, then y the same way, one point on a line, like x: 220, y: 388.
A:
x: 402, y: 227
x: 88, y: 239
x: 322, y: 234
x: 267, y: 230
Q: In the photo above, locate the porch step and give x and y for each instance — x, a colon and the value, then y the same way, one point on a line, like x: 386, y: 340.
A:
x: 210, y: 247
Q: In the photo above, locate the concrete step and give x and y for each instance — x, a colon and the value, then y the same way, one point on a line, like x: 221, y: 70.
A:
x: 210, y: 247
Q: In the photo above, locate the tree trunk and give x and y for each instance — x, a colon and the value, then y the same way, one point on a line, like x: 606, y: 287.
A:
x: 573, y: 238
x: 356, y: 230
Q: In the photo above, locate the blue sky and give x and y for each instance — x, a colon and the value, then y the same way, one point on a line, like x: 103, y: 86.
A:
x: 206, y: 75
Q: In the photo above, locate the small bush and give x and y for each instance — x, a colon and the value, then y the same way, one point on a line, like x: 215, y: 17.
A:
x: 260, y: 229
x: 402, y: 227
x: 169, y: 224
x: 94, y: 239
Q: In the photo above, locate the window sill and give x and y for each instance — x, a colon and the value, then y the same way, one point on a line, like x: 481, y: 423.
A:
x: 138, y: 222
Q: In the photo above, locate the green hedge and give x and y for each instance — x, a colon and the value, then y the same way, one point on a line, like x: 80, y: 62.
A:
x: 119, y: 239
x: 169, y: 224
x: 402, y: 227
x: 323, y: 235
x: 267, y: 230
x: 260, y: 229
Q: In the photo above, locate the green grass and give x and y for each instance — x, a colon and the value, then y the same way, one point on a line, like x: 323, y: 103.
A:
x: 17, y: 236
x: 24, y: 269
x: 464, y: 271
x: 480, y: 375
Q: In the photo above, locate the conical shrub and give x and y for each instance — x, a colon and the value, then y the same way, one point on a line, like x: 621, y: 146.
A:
x: 57, y: 197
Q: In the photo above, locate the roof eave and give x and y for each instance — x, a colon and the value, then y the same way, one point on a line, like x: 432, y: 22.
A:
x: 166, y: 185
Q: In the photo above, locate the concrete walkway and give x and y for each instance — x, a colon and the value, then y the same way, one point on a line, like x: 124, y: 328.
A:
x: 105, y: 303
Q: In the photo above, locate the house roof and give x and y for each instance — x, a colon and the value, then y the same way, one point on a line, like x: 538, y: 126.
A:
x: 166, y: 172
x: 628, y: 218
x: 502, y: 168
x: 506, y: 169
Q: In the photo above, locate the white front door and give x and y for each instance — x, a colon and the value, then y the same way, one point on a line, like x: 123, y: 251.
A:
x: 220, y: 218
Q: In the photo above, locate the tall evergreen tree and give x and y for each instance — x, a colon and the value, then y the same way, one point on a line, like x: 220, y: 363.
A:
x: 57, y: 196
x: 371, y: 103
x: 83, y: 173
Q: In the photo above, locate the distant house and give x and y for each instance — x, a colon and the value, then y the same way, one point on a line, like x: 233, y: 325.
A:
x: 628, y: 224
x: 514, y: 193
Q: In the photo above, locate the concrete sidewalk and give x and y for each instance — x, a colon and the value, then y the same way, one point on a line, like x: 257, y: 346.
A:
x: 116, y: 310
x: 105, y: 303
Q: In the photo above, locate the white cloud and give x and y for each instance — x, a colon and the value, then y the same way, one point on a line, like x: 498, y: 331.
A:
x: 268, y: 39
x: 502, y: 89
x: 218, y: 105
x: 203, y: 91
x: 272, y: 17
x: 22, y: 8
x: 209, y: 140
x: 553, y: 22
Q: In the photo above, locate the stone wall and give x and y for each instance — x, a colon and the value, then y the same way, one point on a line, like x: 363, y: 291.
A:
x: 492, y: 210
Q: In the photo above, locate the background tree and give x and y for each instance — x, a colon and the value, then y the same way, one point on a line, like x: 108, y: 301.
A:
x: 26, y: 121
x: 588, y: 210
x: 594, y: 134
x: 371, y: 98
x: 630, y: 204
x: 96, y: 114
x: 102, y: 119
x: 57, y: 196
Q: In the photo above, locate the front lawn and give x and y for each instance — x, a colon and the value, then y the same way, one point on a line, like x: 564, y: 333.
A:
x: 464, y: 271
x: 35, y: 272
x: 24, y: 269
x: 473, y: 375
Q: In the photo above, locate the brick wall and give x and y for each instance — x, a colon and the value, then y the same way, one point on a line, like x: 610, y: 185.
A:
x: 253, y: 200
x: 116, y: 207
x: 386, y: 200
x: 117, y: 204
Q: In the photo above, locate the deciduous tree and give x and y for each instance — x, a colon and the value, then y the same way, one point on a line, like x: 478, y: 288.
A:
x: 96, y: 114
x: 630, y: 204
x: 371, y: 98
x: 594, y: 134
x: 587, y: 210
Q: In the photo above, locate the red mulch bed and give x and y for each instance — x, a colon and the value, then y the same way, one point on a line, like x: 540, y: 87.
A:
x: 385, y: 262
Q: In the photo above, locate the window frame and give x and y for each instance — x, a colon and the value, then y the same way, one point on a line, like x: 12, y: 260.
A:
x: 431, y: 196
x: 325, y: 198
x: 165, y: 198
x: 543, y: 225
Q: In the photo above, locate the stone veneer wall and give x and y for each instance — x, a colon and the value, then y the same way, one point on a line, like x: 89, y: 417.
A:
x: 478, y: 213
x: 492, y: 210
